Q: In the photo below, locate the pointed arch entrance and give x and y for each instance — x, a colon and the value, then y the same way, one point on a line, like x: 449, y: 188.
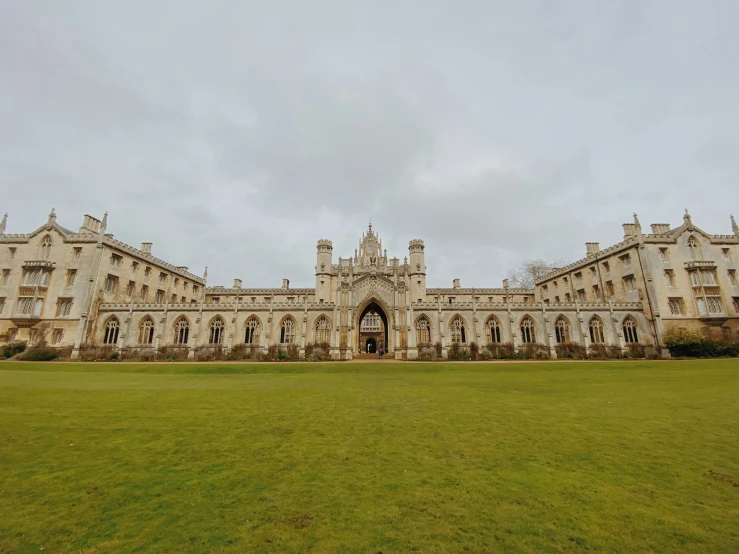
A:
x: 373, y: 327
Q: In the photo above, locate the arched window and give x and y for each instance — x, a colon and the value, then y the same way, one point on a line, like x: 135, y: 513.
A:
x: 595, y: 326
x: 181, y: 330
x: 562, y: 329
x: 45, y: 249
x: 458, y: 330
x: 695, y: 249
x: 146, y: 331
x: 215, y: 335
x: 492, y: 329
x: 528, y: 330
x: 371, y: 322
x: 423, y: 330
x: 251, y: 334
x: 630, y: 330
x: 287, y: 330
x: 323, y: 330
x: 111, y: 331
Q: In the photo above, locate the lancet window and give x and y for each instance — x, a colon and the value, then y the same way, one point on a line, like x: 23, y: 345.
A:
x: 146, y: 331
x: 595, y: 326
x: 562, y: 329
x: 630, y: 330
x: 215, y: 335
x: 181, y: 331
x: 528, y: 330
x: 458, y: 331
x: 323, y: 330
x: 287, y: 331
x: 423, y: 330
x: 492, y: 329
x: 112, y: 327
x: 251, y: 334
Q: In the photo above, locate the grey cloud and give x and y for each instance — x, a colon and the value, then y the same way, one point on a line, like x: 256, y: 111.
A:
x: 236, y: 134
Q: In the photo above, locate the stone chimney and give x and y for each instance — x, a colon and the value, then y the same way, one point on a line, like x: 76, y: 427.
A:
x: 629, y: 230
x: 286, y: 283
x: 146, y: 247
x: 237, y: 283
x: 455, y: 283
x: 660, y: 228
x: 592, y: 248
x: 505, y: 283
x: 90, y: 224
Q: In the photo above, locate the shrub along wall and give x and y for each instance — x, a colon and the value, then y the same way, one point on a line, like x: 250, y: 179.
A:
x: 695, y: 343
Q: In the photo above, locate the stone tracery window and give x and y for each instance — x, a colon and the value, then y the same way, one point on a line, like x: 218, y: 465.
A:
x: 181, y: 330
x: 251, y: 335
x: 562, y: 329
x: 323, y: 330
x: 528, y: 330
x: 423, y: 330
x: 216, y: 328
x: 112, y: 327
x: 146, y: 330
x: 45, y: 250
x: 695, y: 248
x: 492, y: 329
x: 287, y: 330
x: 371, y: 322
x: 458, y: 331
x: 630, y: 330
x: 595, y: 326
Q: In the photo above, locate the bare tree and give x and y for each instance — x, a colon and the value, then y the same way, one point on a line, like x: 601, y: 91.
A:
x: 529, y: 271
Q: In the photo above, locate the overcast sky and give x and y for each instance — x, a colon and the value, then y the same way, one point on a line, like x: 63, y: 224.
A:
x: 237, y: 134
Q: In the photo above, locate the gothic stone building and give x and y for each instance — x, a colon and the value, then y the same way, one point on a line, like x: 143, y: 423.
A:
x: 84, y: 287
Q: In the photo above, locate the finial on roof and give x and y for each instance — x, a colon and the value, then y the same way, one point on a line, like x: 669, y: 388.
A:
x: 637, y: 225
x: 104, y: 224
x: 370, y: 226
x: 687, y: 220
x: 4, y: 223
x: 205, y: 273
x: 734, y: 226
x: 52, y: 216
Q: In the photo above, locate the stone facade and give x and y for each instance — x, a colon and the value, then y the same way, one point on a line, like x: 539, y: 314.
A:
x: 85, y: 288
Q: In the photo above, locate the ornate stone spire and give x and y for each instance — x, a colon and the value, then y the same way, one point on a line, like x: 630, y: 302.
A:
x: 370, y: 227
x: 104, y: 224
x: 734, y: 226
x: 4, y: 223
x: 637, y: 225
x: 205, y: 273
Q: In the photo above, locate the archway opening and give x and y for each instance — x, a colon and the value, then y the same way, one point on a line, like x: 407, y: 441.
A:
x: 373, y: 325
x: 370, y: 346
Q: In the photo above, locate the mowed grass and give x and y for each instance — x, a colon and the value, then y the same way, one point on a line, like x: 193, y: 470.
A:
x: 397, y: 457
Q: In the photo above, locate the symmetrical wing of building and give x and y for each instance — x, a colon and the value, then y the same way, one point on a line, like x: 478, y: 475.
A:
x: 78, y: 288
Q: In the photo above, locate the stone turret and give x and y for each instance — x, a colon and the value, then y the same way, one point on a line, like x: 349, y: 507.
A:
x: 324, y: 253
x: 417, y: 270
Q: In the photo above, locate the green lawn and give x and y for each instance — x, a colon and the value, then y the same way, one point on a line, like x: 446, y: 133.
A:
x: 397, y: 457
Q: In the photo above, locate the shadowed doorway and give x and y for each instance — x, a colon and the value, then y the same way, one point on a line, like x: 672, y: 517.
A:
x: 373, y: 329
